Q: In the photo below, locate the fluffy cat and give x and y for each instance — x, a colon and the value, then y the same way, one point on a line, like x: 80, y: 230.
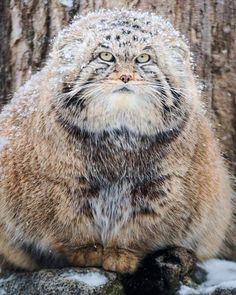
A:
x: 107, y: 154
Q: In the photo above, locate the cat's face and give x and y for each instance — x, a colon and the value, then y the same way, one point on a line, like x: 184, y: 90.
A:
x: 130, y: 77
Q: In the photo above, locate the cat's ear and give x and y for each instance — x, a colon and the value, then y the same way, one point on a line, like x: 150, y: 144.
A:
x: 180, y: 51
x: 66, y: 46
x: 65, y: 41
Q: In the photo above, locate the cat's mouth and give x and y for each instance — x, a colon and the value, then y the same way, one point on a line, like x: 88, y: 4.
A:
x: 123, y: 89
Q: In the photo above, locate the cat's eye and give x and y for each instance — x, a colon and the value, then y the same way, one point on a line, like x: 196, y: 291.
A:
x: 106, y: 56
x: 143, y: 58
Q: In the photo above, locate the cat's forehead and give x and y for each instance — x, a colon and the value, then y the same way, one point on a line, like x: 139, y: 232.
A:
x: 127, y: 26
x: 124, y: 39
x: 122, y: 25
x: 126, y: 32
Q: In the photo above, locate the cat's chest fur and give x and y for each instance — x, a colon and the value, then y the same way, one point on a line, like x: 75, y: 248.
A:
x: 121, y: 184
x: 111, y: 209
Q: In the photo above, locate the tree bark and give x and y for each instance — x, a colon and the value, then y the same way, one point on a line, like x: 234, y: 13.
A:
x: 26, y: 28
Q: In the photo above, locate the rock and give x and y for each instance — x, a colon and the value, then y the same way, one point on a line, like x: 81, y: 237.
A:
x: 199, y: 275
x: 213, y: 277
x: 223, y: 292
x: 216, y: 277
x: 71, y: 281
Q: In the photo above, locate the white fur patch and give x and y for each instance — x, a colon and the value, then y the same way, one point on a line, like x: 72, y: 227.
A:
x: 111, y: 210
x: 122, y: 101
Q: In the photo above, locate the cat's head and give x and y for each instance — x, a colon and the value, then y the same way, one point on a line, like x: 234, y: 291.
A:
x: 122, y: 70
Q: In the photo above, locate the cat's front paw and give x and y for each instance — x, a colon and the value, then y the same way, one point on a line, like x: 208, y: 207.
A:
x: 160, y: 272
x: 90, y: 255
x: 119, y: 260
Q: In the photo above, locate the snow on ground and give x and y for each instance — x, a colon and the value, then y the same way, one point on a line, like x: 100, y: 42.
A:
x: 11, y: 277
x: 92, y: 279
x: 221, y: 275
x: 3, y: 142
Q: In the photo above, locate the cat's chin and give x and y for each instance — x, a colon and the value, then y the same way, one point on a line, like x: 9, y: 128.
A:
x: 123, y: 99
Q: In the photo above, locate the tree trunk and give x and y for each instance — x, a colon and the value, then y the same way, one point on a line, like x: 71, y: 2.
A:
x: 26, y: 28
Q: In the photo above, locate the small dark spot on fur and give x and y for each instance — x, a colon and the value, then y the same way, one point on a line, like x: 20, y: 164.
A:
x: 126, y: 32
x: 104, y: 46
x: 136, y: 27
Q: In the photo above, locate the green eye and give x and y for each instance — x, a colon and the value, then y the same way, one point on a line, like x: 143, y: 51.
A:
x: 106, y: 56
x: 143, y: 58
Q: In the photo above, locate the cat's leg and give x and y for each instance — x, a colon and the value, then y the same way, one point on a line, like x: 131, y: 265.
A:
x: 88, y: 255
x: 160, y: 272
x: 120, y: 260
x: 12, y: 257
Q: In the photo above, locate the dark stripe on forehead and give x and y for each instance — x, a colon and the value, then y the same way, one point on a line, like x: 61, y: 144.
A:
x: 103, y: 45
x: 120, y: 22
x: 148, y: 47
x: 136, y: 27
x: 125, y: 28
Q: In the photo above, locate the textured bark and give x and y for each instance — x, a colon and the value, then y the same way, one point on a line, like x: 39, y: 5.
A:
x: 26, y: 28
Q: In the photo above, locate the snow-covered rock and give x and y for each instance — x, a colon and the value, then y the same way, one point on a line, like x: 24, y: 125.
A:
x: 220, y: 280
x: 60, y: 282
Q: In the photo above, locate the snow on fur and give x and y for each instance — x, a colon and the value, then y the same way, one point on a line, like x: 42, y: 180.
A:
x: 3, y: 142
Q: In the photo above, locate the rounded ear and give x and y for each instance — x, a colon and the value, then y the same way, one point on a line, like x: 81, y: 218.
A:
x: 65, y: 46
x: 68, y: 41
x: 180, y: 51
x: 64, y: 40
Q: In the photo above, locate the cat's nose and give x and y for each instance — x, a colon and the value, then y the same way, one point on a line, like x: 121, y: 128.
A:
x: 126, y: 78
